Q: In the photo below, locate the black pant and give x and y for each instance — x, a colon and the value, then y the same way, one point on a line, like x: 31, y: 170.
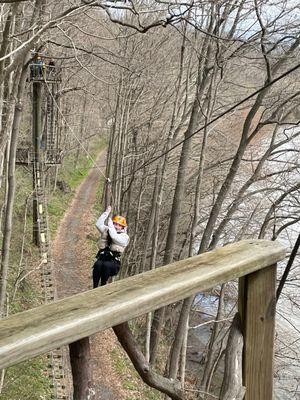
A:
x: 103, y: 269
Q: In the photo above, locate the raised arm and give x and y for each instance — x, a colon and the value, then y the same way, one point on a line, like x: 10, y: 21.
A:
x: 100, y: 224
x: 121, y: 239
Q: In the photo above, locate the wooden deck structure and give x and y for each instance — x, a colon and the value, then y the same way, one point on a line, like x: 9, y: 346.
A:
x: 34, y: 332
x: 25, y: 156
x: 44, y: 73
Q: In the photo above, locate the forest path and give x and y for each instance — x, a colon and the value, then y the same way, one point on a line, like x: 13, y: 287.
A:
x: 73, y: 271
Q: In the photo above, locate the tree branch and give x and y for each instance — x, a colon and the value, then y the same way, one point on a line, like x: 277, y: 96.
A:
x: 288, y: 267
x: 171, y: 388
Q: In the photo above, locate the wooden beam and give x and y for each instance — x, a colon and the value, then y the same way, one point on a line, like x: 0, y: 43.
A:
x: 39, y: 330
x: 258, y: 312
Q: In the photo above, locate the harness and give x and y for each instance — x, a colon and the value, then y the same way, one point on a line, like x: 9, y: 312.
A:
x: 107, y: 254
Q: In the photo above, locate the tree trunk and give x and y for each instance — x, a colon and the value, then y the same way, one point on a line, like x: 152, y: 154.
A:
x: 232, y: 385
x: 210, y: 357
x: 182, y: 327
x: 81, y: 131
x: 11, y: 191
x: 231, y: 174
x: 203, y: 78
x: 183, y: 353
x: 158, y: 318
x: 80, y: 359
x: 180, y: 334
x: 157, y: 200
x: 151, y: 219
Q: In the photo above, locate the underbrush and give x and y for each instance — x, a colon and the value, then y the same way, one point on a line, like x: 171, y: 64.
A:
x: 28, y: 380
x: 68, y: 179
x: 135, y: 388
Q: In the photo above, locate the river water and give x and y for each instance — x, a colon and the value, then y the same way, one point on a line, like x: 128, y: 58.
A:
x: 279, y: 175
x: 287, y: 343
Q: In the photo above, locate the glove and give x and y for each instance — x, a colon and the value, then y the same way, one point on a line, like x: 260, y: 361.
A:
x: 108, y: 209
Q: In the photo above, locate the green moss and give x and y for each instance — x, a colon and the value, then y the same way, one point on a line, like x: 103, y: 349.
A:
x: 131, y: 379
x: 27, y: 381
x: 57, y: 207
x: 119, y: 362
x: 151, y: 394
x: 130, y: 385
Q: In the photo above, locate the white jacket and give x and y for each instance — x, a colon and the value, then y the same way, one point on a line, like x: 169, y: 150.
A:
x: 119, y: 240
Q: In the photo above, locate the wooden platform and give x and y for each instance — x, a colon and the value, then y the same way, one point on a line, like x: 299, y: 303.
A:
x: 24, y: 156
x: 39, y: 330
x: 44, y: 74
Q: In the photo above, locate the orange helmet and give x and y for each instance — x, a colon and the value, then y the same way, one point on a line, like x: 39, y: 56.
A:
x: 118, y: 219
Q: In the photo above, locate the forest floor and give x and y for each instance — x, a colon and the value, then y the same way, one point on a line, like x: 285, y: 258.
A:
x: 73, y: 270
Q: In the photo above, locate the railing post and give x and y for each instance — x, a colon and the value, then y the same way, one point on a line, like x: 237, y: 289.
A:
x: 257, y: 310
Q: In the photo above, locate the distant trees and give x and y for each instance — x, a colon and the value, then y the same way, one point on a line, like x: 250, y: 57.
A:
x: 233, y: 192
x: 156, y: 80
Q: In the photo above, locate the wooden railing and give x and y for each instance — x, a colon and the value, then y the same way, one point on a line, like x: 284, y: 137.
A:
x: 34, y: 332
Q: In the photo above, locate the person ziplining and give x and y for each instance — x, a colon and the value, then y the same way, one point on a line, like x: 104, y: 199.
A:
x: 112, y: 243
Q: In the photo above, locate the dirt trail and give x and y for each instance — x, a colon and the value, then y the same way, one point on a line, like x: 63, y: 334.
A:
x: 73, y: 261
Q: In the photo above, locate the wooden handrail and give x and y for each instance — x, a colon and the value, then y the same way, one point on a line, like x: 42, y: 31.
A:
x: 36, y: 331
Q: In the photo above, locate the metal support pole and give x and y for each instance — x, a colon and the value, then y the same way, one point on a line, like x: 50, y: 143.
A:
x: 36, y: 135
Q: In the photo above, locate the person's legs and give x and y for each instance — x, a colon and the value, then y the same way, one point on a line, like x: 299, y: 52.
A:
x: 105, y: 272
x: 108, y: 269
x: 97, y: 273
x: 115, y: 268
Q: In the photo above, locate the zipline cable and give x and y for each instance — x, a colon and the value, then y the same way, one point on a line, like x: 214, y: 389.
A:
x: 232, y: 108
x: 107, y: 179
x: 73, y: 133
